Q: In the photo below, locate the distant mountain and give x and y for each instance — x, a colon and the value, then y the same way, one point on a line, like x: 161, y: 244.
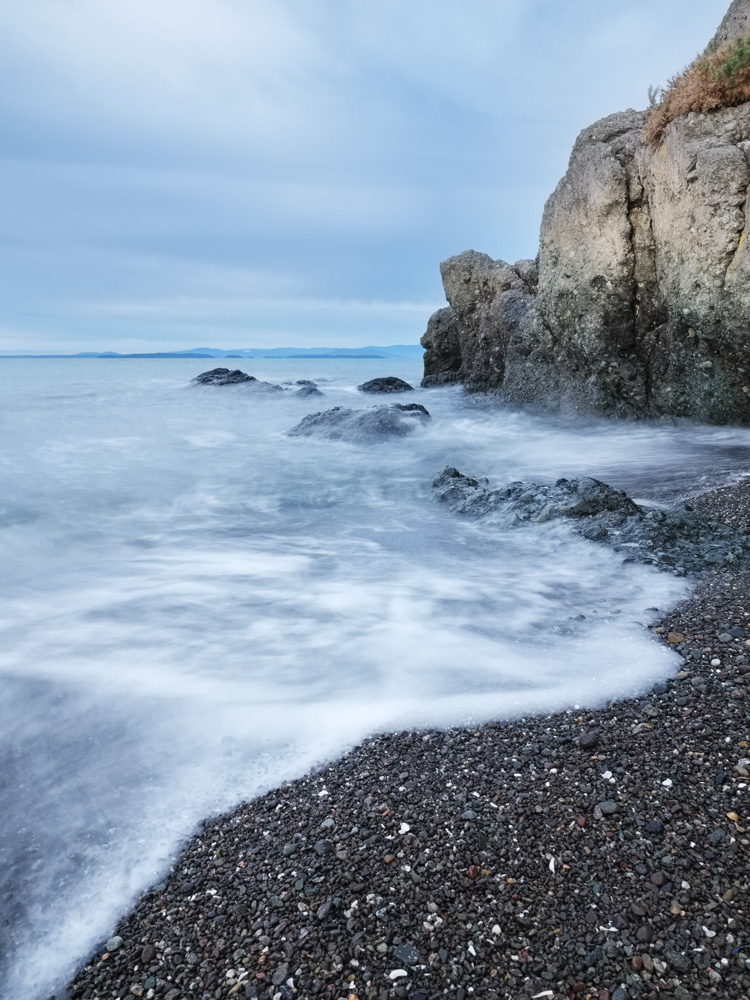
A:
x: 394, y: 351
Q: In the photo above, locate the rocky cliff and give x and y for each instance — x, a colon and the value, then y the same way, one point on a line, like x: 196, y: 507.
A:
x: 639, y: 301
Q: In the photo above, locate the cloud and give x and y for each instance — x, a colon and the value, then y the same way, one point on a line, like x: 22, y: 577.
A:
x: 334, y: 150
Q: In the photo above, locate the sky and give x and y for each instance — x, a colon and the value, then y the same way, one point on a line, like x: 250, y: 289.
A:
x: 268, y: 173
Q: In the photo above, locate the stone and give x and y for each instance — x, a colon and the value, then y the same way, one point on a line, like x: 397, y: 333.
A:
x: 309, y: 390
x: 388, y: 383
x: 280, y: 975
x: 114, y: 943
x: 370, y: 426
x: 587, y: 741
x: 608, y: 807
x: 654, y: 827
x: 407, y: 954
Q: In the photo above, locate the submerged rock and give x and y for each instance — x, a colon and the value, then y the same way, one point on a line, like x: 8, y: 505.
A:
x: 374, y: 424
x: 388, y: 383
x: 223, y: 376
x: 309, y: 390
x: 679, y: 540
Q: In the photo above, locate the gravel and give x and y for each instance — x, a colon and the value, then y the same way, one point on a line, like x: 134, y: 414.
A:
x: 600, y: 855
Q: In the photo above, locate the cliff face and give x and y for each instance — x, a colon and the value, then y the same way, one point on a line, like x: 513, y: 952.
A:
x: 640, y: 305
x: 736, y: 24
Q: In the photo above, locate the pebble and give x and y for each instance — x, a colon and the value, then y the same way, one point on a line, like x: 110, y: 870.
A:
x: 608, y: 807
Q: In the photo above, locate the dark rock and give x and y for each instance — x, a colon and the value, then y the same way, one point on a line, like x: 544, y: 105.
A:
x: 368, y: 426
x: 659, y: 879
x: 280, y: 975
x: 223, y: 376
x: 641, y: 534
x: 677, y: 959
x: 308, y: 390
x: 388, y: 383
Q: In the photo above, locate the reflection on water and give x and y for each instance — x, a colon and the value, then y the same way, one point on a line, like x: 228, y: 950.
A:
x: 196, y: 607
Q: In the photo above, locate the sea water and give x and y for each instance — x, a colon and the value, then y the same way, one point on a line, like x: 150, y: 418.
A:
x: 195, y: 607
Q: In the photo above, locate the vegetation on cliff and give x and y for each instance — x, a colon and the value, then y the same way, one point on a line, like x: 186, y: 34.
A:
x: 717, y: 79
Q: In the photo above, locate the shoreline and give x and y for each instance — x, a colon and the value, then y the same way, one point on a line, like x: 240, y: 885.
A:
x: 595, y: 854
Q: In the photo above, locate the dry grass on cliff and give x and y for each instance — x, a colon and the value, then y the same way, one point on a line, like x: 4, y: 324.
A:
x: 714, y: 80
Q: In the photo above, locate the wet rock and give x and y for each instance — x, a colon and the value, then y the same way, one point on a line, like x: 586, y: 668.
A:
x: 223, y: 376
x: 388, y: 383
x: 587, y: 741
x: 369, y: 426
x: 679, y: 541
x: 309, y: 390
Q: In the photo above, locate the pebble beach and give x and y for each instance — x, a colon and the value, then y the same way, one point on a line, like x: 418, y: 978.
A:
x: 599, y: 855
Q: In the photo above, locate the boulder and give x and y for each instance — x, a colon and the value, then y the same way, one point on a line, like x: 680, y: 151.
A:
x: 308, y: 390
x: 388, y: 383
x: 377, y: 423
x: 223, y: 376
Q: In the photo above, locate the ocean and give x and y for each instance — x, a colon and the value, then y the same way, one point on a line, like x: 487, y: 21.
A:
x: 196, y: 607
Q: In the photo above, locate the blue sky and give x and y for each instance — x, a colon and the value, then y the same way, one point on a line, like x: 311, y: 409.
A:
x: 260, y: 173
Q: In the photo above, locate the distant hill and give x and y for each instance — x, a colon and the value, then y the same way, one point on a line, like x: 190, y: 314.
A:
x: 393, y: 351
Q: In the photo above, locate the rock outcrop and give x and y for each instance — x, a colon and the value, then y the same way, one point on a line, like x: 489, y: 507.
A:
x: 370, y: 426
x: 736, y: 24
x: 679, y: 541
x: 639, y: 302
